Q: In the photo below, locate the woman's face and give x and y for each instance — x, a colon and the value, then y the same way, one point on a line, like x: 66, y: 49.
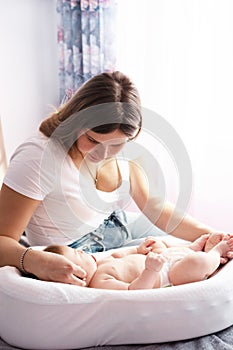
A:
x: 96, y: 146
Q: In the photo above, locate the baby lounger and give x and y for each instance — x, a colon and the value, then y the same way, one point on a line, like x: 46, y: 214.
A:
x: 46, y: 315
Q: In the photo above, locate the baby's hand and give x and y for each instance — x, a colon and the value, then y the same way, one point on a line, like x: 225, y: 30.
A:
x: 146, y: 246
x: 154, y: 262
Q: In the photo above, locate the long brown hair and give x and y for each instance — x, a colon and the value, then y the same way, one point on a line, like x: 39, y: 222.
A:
x: 106, y: 102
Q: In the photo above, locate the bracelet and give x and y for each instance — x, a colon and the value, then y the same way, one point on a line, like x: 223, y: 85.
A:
x: 22, y: 269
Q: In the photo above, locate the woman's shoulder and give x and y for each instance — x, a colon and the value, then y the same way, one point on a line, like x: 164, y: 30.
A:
x: 31, y: 168
x: 32, y: 145
x: 36, y: 146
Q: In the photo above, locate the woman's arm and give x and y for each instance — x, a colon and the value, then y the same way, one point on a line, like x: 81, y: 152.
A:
x: 162, y: 214
x: 15, y: 213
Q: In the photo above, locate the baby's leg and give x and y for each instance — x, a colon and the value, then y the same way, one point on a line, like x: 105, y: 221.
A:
x: 197, y: 266
x: 213, y: 240
x: 199, y: 243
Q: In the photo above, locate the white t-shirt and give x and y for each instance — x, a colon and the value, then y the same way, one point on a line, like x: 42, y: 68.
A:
x: 70, y: 204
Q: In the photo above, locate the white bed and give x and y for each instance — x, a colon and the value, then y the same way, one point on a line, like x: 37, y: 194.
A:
x: 45, y: 315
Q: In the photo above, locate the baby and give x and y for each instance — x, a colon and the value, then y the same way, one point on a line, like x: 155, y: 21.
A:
x: 152, y: 264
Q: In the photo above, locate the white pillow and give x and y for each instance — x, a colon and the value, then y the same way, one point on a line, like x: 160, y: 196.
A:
x: 46, y: 315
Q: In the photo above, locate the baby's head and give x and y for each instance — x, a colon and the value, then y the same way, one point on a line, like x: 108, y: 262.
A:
x: 86, y: 261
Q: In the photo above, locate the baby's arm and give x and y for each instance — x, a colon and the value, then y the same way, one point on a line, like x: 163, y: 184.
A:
x: 144, y: 248
x: 108, y: 282
x: 150, y: 276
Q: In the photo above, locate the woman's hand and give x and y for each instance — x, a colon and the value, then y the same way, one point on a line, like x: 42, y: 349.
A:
x: 54, y: 267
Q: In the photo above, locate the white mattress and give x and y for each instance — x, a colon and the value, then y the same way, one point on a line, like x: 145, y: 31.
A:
x: 46, y: 315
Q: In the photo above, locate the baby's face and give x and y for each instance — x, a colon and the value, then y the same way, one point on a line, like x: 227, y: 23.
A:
x: 82, y: 259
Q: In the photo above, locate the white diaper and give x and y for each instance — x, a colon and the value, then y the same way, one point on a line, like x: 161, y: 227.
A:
x: 172, y: 255
x: 164, y: 279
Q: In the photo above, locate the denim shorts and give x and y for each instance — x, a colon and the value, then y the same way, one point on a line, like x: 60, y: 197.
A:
x: 117, y: 230
x: 113, y: 233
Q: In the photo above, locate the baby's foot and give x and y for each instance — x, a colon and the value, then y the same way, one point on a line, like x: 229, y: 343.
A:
x: 214, y: 239
x: 224, y: 247
x: 199, y: 243
x: 154, y: 262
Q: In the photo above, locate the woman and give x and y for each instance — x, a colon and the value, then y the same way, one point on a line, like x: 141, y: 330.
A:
x: 62, y: 182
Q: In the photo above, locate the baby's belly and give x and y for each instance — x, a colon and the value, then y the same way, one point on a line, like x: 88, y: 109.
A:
x: 125, y: 269
x: 174, y: 254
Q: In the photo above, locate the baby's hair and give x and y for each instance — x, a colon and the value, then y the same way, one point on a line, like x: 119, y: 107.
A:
x: 54, y: 249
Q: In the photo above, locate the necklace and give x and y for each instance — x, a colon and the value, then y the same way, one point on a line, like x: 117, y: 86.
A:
x: 95, y: 178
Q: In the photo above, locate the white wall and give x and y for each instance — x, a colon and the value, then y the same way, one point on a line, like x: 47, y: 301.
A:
x: 28, y: 66
x: 180, y: 55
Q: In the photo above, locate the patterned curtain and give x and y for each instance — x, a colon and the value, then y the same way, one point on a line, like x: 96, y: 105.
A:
x: 86, y: 41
